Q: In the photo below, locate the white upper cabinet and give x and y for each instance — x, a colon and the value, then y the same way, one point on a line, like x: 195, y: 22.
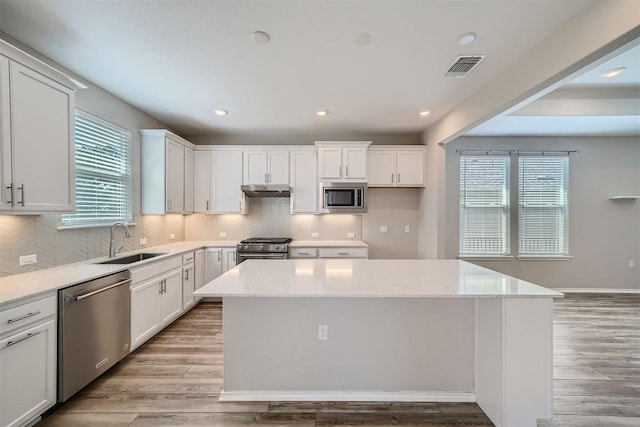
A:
x: 266, y: 167
x: 226, y: 174
x: 397, y: 166
x: 202, y: 182
x: 188, y: 179
x: 342, y: 160
x: 37, y: 169
x: 165, y: 184
x: 304, y: 182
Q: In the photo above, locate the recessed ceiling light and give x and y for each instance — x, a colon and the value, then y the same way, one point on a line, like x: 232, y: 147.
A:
x: 614, y: 72
x: 466, y: 38
x: 220, y: 112
x: 424, y: 113
x: 260, y: 37
x: 363, y: 39
x: 322, y: 113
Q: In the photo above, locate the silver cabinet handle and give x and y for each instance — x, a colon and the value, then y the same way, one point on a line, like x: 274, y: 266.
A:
x: 164, y: 285
x: 30, y: 335
x: 303, y: 253
x: 26, y: 316
x: 240, y: 206
x: 89, y: 294
x: 265, y: 178
x: 343, y: 253
x: 186, y: 273
x: 207, y: 205
x: 392, y: 178
x: 218, y: 255
x: 340, y: 170
x: 169, y: 204
x: 398, y: 178
x: 347, y: 169
x: 11, y: 202
x: 21, y: 188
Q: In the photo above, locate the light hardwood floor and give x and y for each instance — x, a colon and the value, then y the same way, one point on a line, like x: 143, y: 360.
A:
x: 175, y: 379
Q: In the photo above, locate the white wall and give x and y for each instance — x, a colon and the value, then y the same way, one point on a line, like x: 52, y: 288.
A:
x: 604, y: 235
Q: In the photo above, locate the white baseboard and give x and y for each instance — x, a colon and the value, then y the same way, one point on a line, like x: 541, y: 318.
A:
x: 344, y: 396
x: 597, y: 291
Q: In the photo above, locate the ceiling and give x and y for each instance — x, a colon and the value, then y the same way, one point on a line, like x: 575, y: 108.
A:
x: 179, y: 60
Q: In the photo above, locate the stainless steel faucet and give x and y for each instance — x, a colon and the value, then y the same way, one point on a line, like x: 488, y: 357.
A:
x: 127, y: 234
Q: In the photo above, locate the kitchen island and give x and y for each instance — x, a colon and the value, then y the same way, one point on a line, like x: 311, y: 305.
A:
x: 387, y: 330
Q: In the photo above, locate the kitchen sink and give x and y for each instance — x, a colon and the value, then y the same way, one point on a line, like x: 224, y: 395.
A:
x: 130, y: 259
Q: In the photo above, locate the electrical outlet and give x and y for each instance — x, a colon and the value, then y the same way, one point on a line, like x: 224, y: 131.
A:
x: 323, y: 332
x: 223, y: 235
x: 351, y: 235
x: 632, y: 263
x: 406, y: 228
x: 28, y: 259
x: 143, y: 241
x: 383, y: 228
x: 314, y: 235
x: 172, y: 236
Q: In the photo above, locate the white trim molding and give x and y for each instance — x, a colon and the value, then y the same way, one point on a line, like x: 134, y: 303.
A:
x: 344, y: 396
x: 597, y: 290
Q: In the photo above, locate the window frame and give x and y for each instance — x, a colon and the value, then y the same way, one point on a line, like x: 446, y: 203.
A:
x: 72, y: 221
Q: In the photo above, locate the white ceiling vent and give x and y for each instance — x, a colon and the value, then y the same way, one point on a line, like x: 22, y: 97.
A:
x: 463, y: 65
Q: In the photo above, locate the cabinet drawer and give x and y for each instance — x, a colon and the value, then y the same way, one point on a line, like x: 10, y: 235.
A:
x: 303, y: 253
x: 16, y: 317
x: 344, y: 252
x: 139, y: 274
x: 188, y: 258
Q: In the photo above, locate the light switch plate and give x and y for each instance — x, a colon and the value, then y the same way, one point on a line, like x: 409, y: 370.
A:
x: 223, y: 234
x: 28, y: 259
x: 314, y: 235
x: 143, y: 241
x: 351, y: 235
x: 383, y: 228
x: 172, y: 236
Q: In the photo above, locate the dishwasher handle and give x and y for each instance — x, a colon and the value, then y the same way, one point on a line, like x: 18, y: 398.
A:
x: 89, y: 294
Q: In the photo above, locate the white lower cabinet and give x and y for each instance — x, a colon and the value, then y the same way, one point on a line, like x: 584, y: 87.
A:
x: 229, y: 259
x: 198, y: 273
x: 329, y: 252
x: 188, y: 281
x: 27, y: 361
x: 156, y: 298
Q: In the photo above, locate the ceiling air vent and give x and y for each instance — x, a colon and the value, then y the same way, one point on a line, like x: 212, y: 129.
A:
x: 463, y: 65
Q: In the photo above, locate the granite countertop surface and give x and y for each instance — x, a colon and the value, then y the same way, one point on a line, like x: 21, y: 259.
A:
x: 21, y: 286
x: 368, y: 278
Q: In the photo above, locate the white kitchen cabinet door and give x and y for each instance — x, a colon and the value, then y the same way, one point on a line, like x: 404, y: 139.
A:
x: 330, y: 162
x: 188, y: 286
x: 171, y: 301
x: 304, y: 182
x: 255, y: 167
x: 188, y: 180
x: 354, y: 163
x: 27, y: 374
x: 174, y: 176
x: 42, y: 142
x: 227, y: 180
x: 145, y: 311
x: 199, y: 269
x: 202, y: 182
x: 212, y: 264
x: 278, y: 167
x: 382, y: 168
x: 229, y: 259
x: 5, y: 136
x: 411, y: 168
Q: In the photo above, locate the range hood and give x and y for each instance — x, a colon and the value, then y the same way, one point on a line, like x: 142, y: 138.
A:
x: 267, y: 190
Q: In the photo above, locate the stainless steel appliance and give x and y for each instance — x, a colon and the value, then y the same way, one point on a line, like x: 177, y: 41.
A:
x: 93, y: 330
x: 263, y: 248
x: 266, y: 190
x: 344, y: 197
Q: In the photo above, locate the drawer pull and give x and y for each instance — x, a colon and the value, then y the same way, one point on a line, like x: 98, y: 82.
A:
x: 90, y: 294
x: 26, y: 316
x: 32, y: 334
x: 343, y: 253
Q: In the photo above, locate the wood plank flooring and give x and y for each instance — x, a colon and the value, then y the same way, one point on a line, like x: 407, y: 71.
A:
x: 175, y: 379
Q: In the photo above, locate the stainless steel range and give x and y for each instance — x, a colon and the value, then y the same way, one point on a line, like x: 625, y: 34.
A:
x: 263, y: 248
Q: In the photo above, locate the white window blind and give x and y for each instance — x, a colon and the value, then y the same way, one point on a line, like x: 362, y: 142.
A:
x: 103, y: 172
x: 543, y: 205
x: 484, y: 205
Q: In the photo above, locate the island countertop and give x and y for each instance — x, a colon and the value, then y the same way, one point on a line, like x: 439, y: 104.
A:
x: 368, y: 278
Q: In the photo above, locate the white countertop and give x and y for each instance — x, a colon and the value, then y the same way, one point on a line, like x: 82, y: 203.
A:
x: 368, y: 278
x: 328, y: 244
x: 25, y: 285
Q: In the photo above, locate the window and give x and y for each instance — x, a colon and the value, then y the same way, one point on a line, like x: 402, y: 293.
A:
x: 103, y: 172
x: 543, y: 205
x: 484, y: 205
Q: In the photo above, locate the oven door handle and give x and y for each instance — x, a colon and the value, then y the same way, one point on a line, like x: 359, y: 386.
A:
x: 262, y: 256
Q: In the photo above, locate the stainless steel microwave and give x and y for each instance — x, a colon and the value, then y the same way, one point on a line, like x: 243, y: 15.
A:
x: 344, y: 197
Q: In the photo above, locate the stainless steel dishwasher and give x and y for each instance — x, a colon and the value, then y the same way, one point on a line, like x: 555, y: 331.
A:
x: 93, y: 330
